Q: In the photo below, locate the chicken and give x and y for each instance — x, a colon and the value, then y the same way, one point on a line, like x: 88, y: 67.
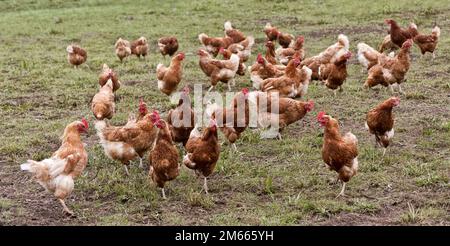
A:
x: 262, y: 70
x: 213, y: 45
x: 243, y: 50
x: 428, y: 43
x: 127, y: 142
x: 369, y: 57
x: 76, y: 55
x: 285, y: 39
x: 387, y: 43
x: 168, y: 45
x: 57, y: 173
x: 181, y: 120
x: 163, y: 157
x: 139, y: 47
x: 219, y: 70
x: 327, y: 56
x: 123, y: 49
x: 233, y: 120
x: 339, y: 152
x: 108, y: 74
x: 236, y: 35
x: 103, y: 105
x: 203, y: 151
x: 380, y: 122
x: 271, y: 32
x: 289, y: 111
x: 285, y: 54
x: 334, y: 74
x: 170, y: 77
x: 270, y: 53
x: 294, y: 83
x: 399, y: 35
x: 392, y: 71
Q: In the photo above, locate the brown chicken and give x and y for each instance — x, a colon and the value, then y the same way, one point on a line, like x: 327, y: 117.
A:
x: 203, y: 151
x: 285, y: 39
x: 262, y: 70
x: 125, y: 143
x: 123, y: 49
x: 181, y: 120
x: 219, y: 70
x: 392, y: 71
x: 213, y: 45
x: 327, y: 56
x: 334, y: 74
x: 294, y: 83
x: 289, y: 111
x: 103, y: 105
x: 76, y: 55
x: 339, y: 152
x: 380, y: 122
x: 369, y: 57
x: 428, y: 43
x: 233, y: 120
x: 168, y: 46
x: 236, y: 35
x: 271, y: 32
x: 139, y: 47
x: 399, y: 35
x: 56, y: 174
x: 170, y: 77
x: 387, y: 43
x: 270, y: 53
x: 284, y: 55
x: 107, y: 74
x: 163, y: 157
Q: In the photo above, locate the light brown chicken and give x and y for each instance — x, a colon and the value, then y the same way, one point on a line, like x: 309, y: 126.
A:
x: 428, y: 43
x: 103, y: 105
x: 236, y: 35
x: 271, y: 32
x: 76, y: 55
x: 335, y: 73
x: 261, y: 70
x: 213, y: 45
x: 123, y: 49
x: 168, y: 46
x: 107, y: 74
x: 170, y: 77
x: 57, y: 173
x: 181, y: 120
x: 139, y: 47
x: 284, y: 55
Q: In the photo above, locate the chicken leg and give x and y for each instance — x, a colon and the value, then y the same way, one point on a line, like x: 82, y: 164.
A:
x: 384, y: 151
x: 342, y: 190
x: 205, y: 185
x: 126, y: 170
x: 210, y: 88
x: 65, y: 208
x: 140, y: 163
x: 163, y: 194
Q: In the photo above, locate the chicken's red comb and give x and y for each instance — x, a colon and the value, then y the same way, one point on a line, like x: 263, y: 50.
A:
x: 245, y: 91
x: 212, y: 122
x: 311, y: 103
x: 320, y: 115
x: 85, y: 123
x: 221, y: 50
x: 301, y: 38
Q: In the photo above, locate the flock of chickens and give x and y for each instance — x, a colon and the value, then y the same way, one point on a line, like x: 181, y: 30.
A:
x: 279, y: 76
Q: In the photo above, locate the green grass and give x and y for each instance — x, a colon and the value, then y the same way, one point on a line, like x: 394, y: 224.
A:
x: 269, y: 182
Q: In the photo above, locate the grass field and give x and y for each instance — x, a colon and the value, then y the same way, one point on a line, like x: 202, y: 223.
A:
x: 270, y: 182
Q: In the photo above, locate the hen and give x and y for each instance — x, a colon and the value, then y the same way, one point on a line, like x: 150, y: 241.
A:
x: 203, y: 151
x: 219, y: 70
x: 399, y: 35
x: 380, y: 122
x: 285, y: 54
x: 103, y: 105
x: 213, y: 45
x: 181, y: 120
x: 236, y: 35
x: 271, y: 32
x: 369, y: 57
x: 139, y: 47
x: 270, y: 53
x: 109, y: 74
x: 123, y: 49
x: 335, y: 73
x: 76, y: 55
x: 262, y: 70
x: 428, y: 43
x: 168, y: 46
x: 388, y: 44
x: 285, y: 39
x: 170, y: 77
x: 57, y: 173
x: 163, y: 157
x: 125, y: 143
x: 339, y: 152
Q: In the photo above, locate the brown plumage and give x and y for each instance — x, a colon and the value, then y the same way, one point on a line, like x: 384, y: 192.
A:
x: 236, y: 35
x: 168, y: 45
x: 107, y: 74
x: 57, y: 174
x: 102, y: 104
x: 170, y: 77
x: 285, y: 39
x: 339, y: 152
x: 213, y: 45
x: 380, y: 121
x: 284, y: 55
x: 398, y: 34
x: 123, y: 48
x: 271, y: 32
x: 428, y: 43
x: 203, y: 151
x: 270, y: 53
x: 334, y: 74
x: 389, y: 45
x: 261, y: 70
x: 76, y: 55
x: 139, y: 47
x: 219, y: 70
x: 181, y: 120
x: 163, y: 157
